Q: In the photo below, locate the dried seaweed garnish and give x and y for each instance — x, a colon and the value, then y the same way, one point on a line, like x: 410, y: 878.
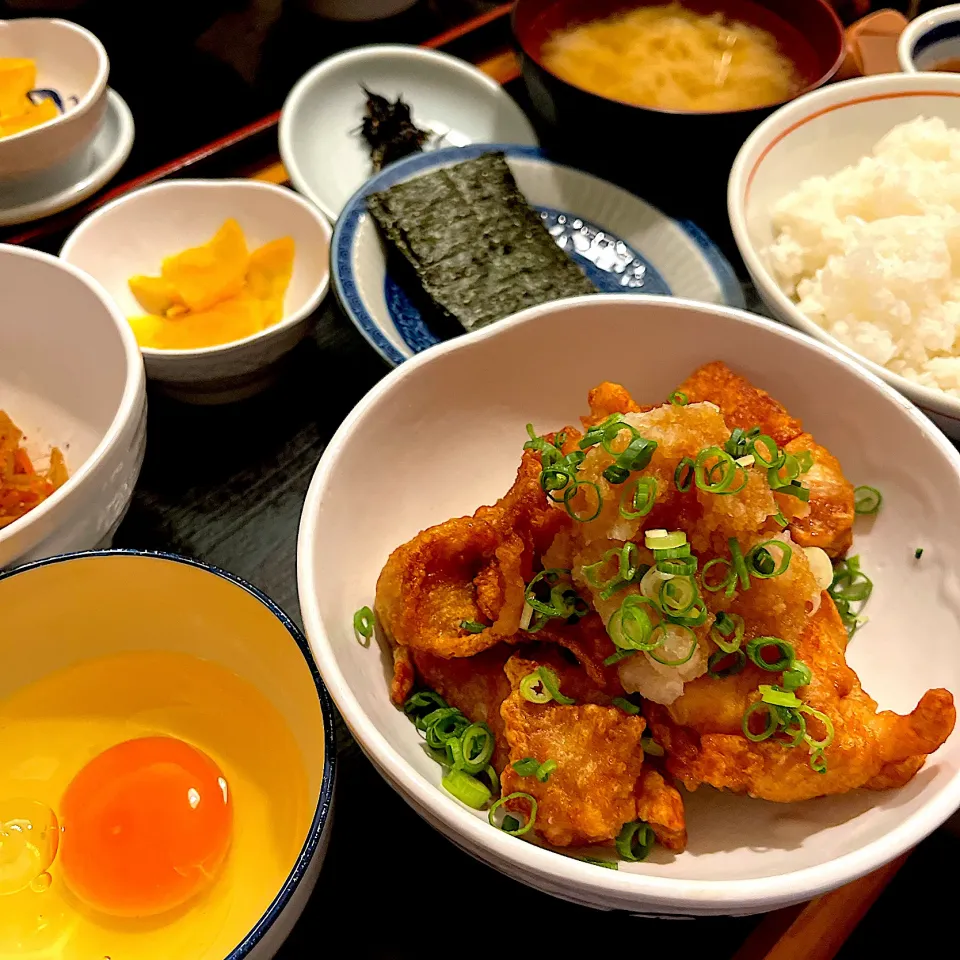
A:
x: 390, y: 131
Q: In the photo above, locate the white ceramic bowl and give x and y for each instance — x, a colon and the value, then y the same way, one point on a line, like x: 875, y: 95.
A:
x: 81, y: 606
x: 745, y: 856
x: 320, y: 144
x: 71, y: 377
x: 930, y: 39
x: 133, y: 234
x: 72, y: 62
x: 820, y: 134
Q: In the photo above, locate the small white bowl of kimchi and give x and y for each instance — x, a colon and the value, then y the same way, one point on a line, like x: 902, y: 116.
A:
x: 72, y: 409
x: 704, y: 819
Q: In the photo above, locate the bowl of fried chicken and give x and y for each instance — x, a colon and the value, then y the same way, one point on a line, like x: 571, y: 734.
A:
x: 649, y: 604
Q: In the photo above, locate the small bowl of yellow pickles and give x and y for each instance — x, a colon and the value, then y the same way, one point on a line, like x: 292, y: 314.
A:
x: 53, y: 93
x: 168, y: 765
x: 219, y: 279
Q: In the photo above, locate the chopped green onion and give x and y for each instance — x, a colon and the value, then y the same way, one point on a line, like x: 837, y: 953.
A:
x: 784, y: 661
x: 677, y: 595
x: 766, y: 453
x: 509, y: 824
x: 683, y: 475
x: 545, y: 769
x: 761, y: 563
x: 739, y: 567
x: 728, y: 575
x: 560, y: 439
x: 614, y: 474
x: 799, y: 675
x: 363, y: 624
x: 818, y: 763
x: 449, y: 726
x: 650, y: 746
x: 727, y: 631
x: 640, y: 502
x: 454, y: 752
x: 466, y: 789
x: 618, y: 656
x: 551, y: 683
x: 477, y: 745
x: 533, y: 689
x: 779, y: 697
x: 866, y: 500
x: 635, y: 841
x: 694, y: 617
x: 571, y: 491
x: 531, y: 816
x: 471, y: 626
x: 423, y: 702
x: 724, y: 470
x: 661, y: 540
x: 625, y: 705
x: 828, y: 726
x: 526, y: 767
x: 795, y: 489
x: 678, y: 398
x: 597, y: 862
x: 734, y: 663
x: 780, y: 519
x: 681, y: 660
x: 673, y: 553
x: 918, y: 553
x: 786, y: 473
x: 770, y: 723
x: 805, y: 459
x: 741, y: 441
x: 491, y: 774
x: 850, y: 585
x: 678, y: 567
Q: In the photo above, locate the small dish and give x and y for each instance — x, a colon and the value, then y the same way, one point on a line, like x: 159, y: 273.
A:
x: 431, y: 417
x: 78, y: 177
x: 627, y: 244
x: 79, y: 607
x: 70, y: 377
x: 72, y: 69
x: 819, y: 135
x: 134, y: 233
x: 931, y: 40
x: 325, y: 156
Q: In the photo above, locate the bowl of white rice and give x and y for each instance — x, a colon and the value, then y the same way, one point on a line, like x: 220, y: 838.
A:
x: 845, y: 205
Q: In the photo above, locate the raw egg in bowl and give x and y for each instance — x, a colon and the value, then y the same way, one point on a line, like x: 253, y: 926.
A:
x: 168, y: 762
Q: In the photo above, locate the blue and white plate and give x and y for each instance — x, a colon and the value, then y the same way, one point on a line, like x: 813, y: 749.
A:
x: 622, y: 243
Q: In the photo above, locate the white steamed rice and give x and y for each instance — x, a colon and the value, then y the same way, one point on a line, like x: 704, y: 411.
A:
x: 872, y: 253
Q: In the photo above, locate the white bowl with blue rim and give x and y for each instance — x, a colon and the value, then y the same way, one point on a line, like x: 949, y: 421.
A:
x: 319, y: 133
x: 72, y: 70
x: 930, y: 40
x: 622, y: 243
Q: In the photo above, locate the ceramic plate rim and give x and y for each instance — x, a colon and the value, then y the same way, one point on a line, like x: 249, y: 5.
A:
x: 77, y: 192
x: 351, y: 219
x: 321, y: 816
x: 295, y: 98
x: 756, y: 892
x: 222, y: 349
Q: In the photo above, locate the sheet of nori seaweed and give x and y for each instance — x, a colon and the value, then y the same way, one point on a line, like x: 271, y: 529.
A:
x: 479, y: 250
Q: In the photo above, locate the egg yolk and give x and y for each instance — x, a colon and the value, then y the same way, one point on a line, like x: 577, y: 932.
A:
x: 146, y: 826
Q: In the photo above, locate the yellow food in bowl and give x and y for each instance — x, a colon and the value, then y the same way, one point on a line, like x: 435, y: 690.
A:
x: 213, y: 294
x: 195, y: 712
x: 18, y: 76
x: 671, y: 58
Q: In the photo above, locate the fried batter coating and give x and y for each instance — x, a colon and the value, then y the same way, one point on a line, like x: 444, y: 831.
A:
x: 869, y: 748
x: 606, y: 400
x: 660, y: 805
x: 590, y: 796
x: 469, y: 569
x: 743, y: 404
x: 828, y: 523
x: 404, y: 675
x: 476, y: 686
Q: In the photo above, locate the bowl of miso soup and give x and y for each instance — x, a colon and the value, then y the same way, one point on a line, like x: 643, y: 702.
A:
x: 659, y: 95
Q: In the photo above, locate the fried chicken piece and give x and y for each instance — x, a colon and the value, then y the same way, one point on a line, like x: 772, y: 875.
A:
x: 469, y: 569
x: 607, y: 399
x: 660, y: 805
x: 870, y: 749
x: 404, y: 675
x: 590, y: 796
x: 743, y: 405
x: 827, y: 520
x: 476, y: 686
